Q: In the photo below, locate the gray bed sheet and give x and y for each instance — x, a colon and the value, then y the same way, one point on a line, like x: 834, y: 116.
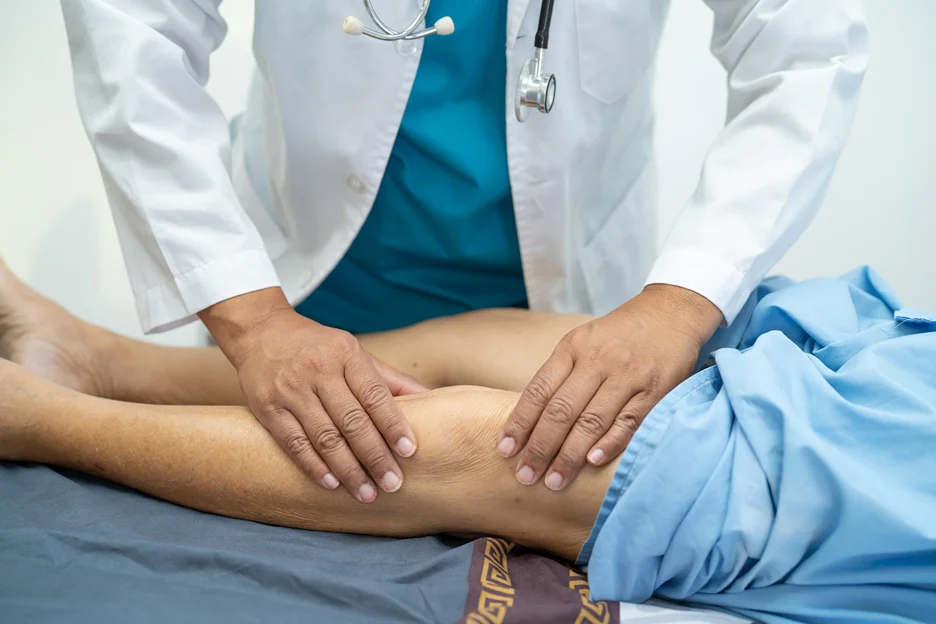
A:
x: 74, y: 548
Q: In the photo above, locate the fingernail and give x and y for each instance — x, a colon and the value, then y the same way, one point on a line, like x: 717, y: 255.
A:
x: 525, y: 475
x: 405, y: 447
x: 506, y: 447
x: 595, y: 456
x: 330, y: 481
x: 554, y: 481
x: 391, y: 482
x: 367, y: 493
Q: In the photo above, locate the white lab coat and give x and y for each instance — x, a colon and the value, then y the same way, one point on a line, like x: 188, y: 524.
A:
x: 326, y: 107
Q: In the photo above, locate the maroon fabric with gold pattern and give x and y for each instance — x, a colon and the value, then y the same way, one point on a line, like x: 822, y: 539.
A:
x: 510, y: 585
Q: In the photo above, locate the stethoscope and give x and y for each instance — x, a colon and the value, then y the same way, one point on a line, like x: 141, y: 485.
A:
x: 535, y: 89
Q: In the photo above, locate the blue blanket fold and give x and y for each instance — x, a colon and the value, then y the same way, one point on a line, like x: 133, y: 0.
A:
x: 796, y: 479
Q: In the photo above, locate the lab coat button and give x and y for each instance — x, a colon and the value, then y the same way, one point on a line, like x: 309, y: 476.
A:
x: 355, y: 184
x: 407, y: 49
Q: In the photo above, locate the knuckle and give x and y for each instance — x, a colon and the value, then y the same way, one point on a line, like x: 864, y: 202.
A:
x: 581, y: 334
x: 569, y: 462
x: 599, y: 350
x: 286, y: 384
x: 328, y: 440
x: 271, y: 411
x: 374, y: 457
x: 590, y: 424
x: 312, y: 361
x: 558, y: 411
x: 628, y: 421
x: 569, y: 345
x: 351, y: 475
x: 346, y: 344
x: 373, y: 395
x: 576, y: 335
x: 632, y: 364
x: 538, y: 391
x: 536, y: 453
x: 297, y: 444
x: 354, y: 422
x: 263, y: 396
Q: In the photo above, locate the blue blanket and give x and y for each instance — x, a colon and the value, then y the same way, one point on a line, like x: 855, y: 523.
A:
x: 796, y: 479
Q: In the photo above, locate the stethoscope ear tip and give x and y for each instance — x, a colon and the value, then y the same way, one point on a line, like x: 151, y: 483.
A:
x: 445, y: 26
x: 353, y: 26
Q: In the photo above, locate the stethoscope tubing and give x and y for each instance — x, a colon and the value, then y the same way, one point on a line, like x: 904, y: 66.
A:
x: 541, y: 40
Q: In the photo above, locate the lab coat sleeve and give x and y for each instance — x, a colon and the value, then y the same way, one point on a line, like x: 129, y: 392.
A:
x: 795, y: 69
x: 164, y: 151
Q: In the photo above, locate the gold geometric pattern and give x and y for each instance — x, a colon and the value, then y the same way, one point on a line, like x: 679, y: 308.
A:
x: 497, y: 594
x: 592, y: 612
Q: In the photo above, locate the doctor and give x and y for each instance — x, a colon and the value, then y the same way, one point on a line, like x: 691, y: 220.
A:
x: 372, y: 184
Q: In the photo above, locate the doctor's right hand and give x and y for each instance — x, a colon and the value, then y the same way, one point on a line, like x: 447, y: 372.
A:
x: 317, y: 391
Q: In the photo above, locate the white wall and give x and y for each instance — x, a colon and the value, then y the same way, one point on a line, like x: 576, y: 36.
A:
x: 56, y: 231
x: 880, y: 207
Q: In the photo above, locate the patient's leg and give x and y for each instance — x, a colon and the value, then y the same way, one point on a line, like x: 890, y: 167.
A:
x: 493, y: 348
x: 221, y: 460
x: 500, y: 348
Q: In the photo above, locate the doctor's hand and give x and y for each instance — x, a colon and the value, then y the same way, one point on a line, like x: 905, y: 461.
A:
x: 602, y: 380
x: 327, y: 402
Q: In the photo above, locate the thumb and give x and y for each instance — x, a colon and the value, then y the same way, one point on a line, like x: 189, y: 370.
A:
x: 399, y: 383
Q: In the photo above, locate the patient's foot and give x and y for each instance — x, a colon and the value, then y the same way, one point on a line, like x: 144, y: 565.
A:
x: 48, y: 341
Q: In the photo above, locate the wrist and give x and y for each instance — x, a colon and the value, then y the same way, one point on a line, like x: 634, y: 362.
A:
x: 236, y: 321
x: 689, y: 309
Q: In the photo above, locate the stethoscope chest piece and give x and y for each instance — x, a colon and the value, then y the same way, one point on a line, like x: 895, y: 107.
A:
x: 534, y: 89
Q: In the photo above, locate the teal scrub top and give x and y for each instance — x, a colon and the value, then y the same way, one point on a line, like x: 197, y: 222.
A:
x: 441, y: 237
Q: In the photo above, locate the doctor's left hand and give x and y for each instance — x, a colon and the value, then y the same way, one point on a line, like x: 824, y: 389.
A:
x: 602, y: 380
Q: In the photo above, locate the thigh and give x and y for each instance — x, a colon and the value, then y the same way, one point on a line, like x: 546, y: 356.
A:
x: 500, y: 348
